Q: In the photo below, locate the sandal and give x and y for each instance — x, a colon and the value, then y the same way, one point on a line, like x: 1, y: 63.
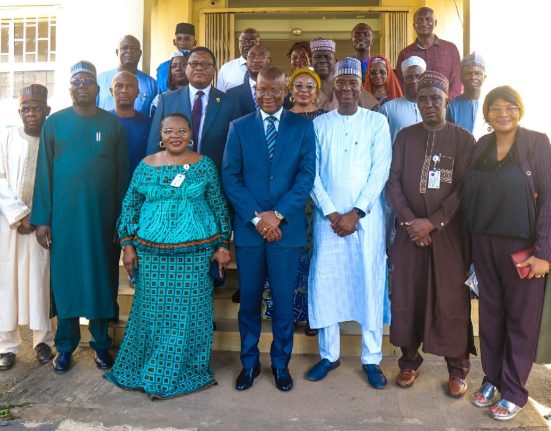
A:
x: 485, y: 395
x: 504, y: 410
x: 310, y: 332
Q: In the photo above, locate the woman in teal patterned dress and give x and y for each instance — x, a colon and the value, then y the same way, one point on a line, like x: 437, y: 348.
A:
x: 173, y: 223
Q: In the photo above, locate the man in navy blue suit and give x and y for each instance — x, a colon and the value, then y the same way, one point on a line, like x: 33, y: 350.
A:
x: 258, y: 58
x: 209, y: 109
x: 267, y: 173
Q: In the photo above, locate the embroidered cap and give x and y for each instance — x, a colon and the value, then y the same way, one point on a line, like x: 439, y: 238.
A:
x: 84, y: 67
x: 474, y: 59
x: 349, y: 66
x: 35, y: 92
x: 431, y: 79
x: 322, y: 44
x: 414, y: 60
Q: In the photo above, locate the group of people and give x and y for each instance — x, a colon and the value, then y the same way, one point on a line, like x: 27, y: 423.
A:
x: 319, y: 174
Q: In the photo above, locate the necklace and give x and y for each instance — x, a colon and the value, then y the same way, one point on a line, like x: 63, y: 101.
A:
x: 186, y: 165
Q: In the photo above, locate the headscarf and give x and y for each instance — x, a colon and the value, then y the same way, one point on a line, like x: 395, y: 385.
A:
x: 300, y: 71
x: 183, y: 53
x: 393, y: 89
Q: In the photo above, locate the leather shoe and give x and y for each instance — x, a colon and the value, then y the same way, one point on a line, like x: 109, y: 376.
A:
x: 103, y: 359
x: 375, y: 376
x: 62, y: 362
x: 7, y: 360
x: 246, y: 378
x: 43, y: 353
x: 456, y: 387
x: 405, y: 378
x: 283, y: 380
x: 321, y: 369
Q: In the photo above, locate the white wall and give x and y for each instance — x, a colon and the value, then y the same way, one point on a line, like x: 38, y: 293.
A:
x: 514, y: 40
x: 86, y: 30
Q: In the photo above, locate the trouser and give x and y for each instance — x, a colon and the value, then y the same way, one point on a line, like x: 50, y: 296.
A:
x: 280, y: 264
x: 510, y: 316
x: 67, y: 335
x: 329, y: 344
x: 411, y: 359
x: 10, y: 341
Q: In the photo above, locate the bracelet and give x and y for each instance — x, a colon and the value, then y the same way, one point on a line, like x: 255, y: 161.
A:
x: 224, y: 250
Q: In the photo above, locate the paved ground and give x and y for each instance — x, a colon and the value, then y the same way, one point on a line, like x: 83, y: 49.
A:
x: 82, y: 400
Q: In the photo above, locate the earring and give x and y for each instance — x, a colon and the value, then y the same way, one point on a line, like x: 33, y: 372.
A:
x: 190, y: 144
x: 316, y: 101
x: 490, y: 129
x: 161, y: 144
x: 292, y: 99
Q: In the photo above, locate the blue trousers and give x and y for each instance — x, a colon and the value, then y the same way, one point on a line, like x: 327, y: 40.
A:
x: 67, y: 335
x: 280, y: 265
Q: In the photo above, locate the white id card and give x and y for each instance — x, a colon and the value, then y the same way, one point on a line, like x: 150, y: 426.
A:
x: 434, y: 180
x: 178, y: 180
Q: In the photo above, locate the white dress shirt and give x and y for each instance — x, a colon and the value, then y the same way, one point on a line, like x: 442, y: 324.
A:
x: 252, y: 84
x: 231, y: 74
x: 205, y: 100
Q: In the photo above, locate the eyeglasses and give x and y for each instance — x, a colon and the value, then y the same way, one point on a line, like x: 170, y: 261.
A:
x: 203, y: 64
x: 256, y: 57
x: 174, y: 132
x: 272, y: 91
x: 299, y: 86
x: 77, y: 82
x: 509, y: 110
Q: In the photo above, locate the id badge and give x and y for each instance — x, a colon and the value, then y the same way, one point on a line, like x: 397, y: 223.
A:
x: 434, y: 180
x: 178, y: 180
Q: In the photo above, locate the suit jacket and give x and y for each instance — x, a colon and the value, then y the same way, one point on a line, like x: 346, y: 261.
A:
x: 244, y: 98
x: 221, y: 110
x: 254, y: 183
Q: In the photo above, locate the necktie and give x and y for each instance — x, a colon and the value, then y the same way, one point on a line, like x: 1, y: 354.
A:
x: 271, y: 135
x: 196, y: 113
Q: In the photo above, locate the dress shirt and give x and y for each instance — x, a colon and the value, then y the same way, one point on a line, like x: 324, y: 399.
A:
x: 205, y: 100
x: 231, y: 74
x: 264, y: 115
x: 442, y: 57
x: 252, y: 84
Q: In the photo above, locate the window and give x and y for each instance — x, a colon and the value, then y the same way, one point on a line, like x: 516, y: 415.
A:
x: 27, y: 53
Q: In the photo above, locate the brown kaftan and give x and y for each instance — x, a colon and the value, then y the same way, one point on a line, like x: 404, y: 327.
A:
x: 430, y: 301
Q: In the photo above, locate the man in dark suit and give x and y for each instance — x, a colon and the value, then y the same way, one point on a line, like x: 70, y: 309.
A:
x: 258, y: 58
x: 267, y: 173
x: 209, y: 110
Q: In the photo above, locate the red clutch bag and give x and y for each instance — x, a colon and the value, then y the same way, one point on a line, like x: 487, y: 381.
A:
x: 521, y: 256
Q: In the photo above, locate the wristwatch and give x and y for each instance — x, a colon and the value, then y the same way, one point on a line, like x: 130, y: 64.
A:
x: 278, y: 215
x: 360, y: 213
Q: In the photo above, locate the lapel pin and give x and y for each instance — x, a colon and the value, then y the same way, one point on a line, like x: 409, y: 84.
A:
x: 218, y: 100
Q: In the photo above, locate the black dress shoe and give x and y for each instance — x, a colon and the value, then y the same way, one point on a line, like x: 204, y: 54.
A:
x: 103, y: 359
x: 43, y: 353
x: 7, y: 360
x: 283, y: 380
x: 375, y: 376
x: 246, y: 378
x: 62, y: 362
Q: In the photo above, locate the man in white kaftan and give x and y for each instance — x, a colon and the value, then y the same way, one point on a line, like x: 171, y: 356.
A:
x: 348, y: 267
x: 24, y: 264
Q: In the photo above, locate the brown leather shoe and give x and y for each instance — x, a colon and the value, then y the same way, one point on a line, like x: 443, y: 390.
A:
x: 405, y: 378
x: 456, y: 387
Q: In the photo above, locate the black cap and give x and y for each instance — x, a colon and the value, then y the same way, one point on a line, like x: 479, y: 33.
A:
x: 184, y: 27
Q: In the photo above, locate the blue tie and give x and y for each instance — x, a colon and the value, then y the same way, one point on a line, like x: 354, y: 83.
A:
x: 271, y: 135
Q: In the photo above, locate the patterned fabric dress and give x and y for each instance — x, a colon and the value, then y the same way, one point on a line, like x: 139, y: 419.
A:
x: 300, y: 301
x: 167, y: 344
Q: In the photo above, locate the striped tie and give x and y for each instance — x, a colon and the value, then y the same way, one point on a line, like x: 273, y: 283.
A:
x: 271, y: 135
